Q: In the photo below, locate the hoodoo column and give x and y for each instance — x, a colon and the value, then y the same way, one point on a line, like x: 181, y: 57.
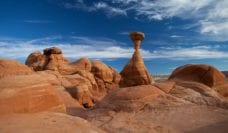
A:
x: 135, y: 72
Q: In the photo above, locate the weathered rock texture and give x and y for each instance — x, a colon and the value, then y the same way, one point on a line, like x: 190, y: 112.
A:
x: 201, y: 73
x: 27, y: 94
x: 45, y: 123
x: 51, y: 59
x: 135, y: 72
x: 86, y: 81
x: 130, y: 99
x: 147, y: 108
x: 12, y: 67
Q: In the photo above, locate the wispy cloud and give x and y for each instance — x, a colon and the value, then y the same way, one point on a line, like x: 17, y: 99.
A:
x: 38, y: 21
x: 182, y: 53
x: 104, y: 49
x: 176, y: 36
x: 124, y: 33
x: 109, y: 10
x: 209, y: 17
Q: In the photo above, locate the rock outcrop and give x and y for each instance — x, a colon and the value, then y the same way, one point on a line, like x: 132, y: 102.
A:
x: 106, y: 77
x: 201, y: 73
x: 36, y: 61
x: 12, y: 67
x: 27, y: 94
x: 51, y: 59
x: 135, y: 72
x: 86, y: 81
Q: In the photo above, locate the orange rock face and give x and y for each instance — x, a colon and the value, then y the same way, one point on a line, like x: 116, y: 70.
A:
x: 28, y: 93
x: 106, y: 77
x: 222, y: 89
x: 135, y: 72
x: 36, y: 61
x: 12, y: 67
x: 205, y: 74
x: 165, y: 86
x: 46, y: 123
x: 130, y: 98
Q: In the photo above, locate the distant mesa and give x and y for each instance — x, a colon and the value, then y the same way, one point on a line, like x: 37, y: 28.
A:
x: 135, y: 71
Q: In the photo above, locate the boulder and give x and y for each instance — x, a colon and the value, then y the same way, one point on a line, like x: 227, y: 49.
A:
x: 135, y: 73
x: 28, y: 93
x: 52, y: 50
x: 201, y: 73
x: 54, y: 59
x: 12, y: 67
x: 51, y: 59
x: 46, y: 122
x: 36, y: 61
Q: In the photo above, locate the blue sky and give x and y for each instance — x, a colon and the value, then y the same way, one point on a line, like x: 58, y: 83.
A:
x: 177, y: 31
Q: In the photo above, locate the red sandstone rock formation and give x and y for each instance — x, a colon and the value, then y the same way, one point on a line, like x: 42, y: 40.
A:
x: 45, y: 123
x: 36, y: 61
x: 204, y: 74
x: 161, y: 107
x: 51, y: 59
x: 87, y: 81
x: 28, y: 93
x: 135, y: 72
x: 12, y: 67
x: 106, y: 77
x: 130, y: 99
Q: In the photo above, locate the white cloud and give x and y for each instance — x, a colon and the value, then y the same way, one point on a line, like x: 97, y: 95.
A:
x: 110, y: 10
x: 104, y: 49
x: 162, y: 9
x: 103, y: 6
x: 213, y: 27
x: 198, y: 52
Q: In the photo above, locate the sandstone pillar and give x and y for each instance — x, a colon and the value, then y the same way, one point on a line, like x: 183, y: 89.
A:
x: 135, y: 72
